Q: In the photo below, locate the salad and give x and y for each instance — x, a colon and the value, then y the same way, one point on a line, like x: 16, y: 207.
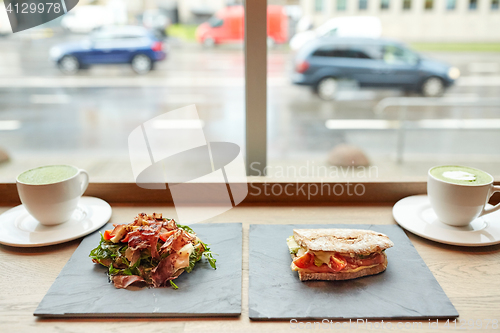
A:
x: 151, y: 250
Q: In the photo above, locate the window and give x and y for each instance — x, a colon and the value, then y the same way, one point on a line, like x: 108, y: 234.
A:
x: 87, y: 123
x: 406, y: 4
x: 318, y: 6
x: 384, y: 4
x: 394, y: 54
x: 451, y: 4
x: 215, y: 22
x: 341, y: 5
x: 473, y: 4
x: 340, y: 53
x: 86, y: 117
x: 429, y: 4
x: 495, y: 4
x: 363, y: 4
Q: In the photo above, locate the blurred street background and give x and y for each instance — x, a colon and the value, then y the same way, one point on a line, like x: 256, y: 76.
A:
x: 50, y: 116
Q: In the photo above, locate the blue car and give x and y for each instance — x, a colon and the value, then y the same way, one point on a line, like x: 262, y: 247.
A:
x: 378, y: 63
x: 111, y: 45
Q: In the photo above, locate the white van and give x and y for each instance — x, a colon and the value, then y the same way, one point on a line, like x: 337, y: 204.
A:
x: 350, y: 26
x: 84, y: 19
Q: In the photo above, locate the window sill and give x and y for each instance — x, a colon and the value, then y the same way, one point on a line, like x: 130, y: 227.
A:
x: 261, y: 191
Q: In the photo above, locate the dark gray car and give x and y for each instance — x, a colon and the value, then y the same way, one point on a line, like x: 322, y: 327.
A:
x: 378, y: 63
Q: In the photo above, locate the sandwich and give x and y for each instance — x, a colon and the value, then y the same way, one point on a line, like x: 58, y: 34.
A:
x: 337, y: 254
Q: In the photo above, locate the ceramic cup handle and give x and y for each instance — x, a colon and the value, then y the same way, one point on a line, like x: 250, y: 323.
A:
x: 85, y: 183
x: 494, y: 208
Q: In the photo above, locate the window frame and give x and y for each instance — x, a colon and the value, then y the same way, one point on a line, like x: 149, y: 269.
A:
x: 255, y: 53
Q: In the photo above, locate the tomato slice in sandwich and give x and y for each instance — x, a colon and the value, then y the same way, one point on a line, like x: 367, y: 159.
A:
x: 304, y: 261
x: 337, y: 262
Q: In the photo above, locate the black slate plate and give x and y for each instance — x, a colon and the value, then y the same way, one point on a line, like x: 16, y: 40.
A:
x: 407, y: 289
x: 82, y: 288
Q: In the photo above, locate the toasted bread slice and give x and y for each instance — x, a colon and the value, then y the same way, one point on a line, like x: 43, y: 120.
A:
x: 342, y: 240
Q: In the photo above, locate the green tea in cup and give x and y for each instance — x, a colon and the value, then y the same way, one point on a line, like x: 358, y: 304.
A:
x: 47, y: 174
x: 51, y: 193
x: 461, y: 175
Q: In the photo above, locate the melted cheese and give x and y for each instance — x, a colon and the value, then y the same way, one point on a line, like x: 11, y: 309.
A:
x: 295, y: 268
x: 301, y: 252
x: 323, y: 256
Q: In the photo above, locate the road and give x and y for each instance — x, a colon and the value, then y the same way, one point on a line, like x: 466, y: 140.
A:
x: 45, y: 112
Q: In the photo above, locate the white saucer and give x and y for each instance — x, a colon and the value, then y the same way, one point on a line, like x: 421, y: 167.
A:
x: 416, y: 215
x: 19, y: 228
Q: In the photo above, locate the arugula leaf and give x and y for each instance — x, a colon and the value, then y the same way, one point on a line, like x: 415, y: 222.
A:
x: 113, y: 271
x: 192, y: 262
x: 173, y: 284
x: 107, y: 250
x: 186, y: 228
x: 210, y: 258
x: 133, y: 270
x: 194, y: 257
x: 209, y: 255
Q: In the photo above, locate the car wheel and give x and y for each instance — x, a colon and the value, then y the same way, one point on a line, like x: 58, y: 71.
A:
x: 327, y: 88
x: 209, y: 42
x: 69, y: 64
x: 432, y: 87
x: 141, y: 64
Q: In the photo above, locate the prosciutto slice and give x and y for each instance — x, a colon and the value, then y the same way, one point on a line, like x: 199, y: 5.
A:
x: 123, y: 281
x: 170, y: 225
x: 145, y: 237
x: 132, y: 255
x: 176, y: 241
x: 164, y: 271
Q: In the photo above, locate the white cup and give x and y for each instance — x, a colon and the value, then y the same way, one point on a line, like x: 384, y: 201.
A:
x: 458, y: 205
x: 53, y: 203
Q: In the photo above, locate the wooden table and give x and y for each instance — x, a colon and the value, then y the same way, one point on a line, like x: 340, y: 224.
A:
x: 469, y: 276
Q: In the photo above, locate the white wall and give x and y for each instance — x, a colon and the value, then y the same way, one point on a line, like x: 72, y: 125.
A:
x: 417, y: 24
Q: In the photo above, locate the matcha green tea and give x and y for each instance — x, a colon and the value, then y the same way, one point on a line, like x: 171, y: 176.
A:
x: 461, y: 175
x: 47, y: 174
